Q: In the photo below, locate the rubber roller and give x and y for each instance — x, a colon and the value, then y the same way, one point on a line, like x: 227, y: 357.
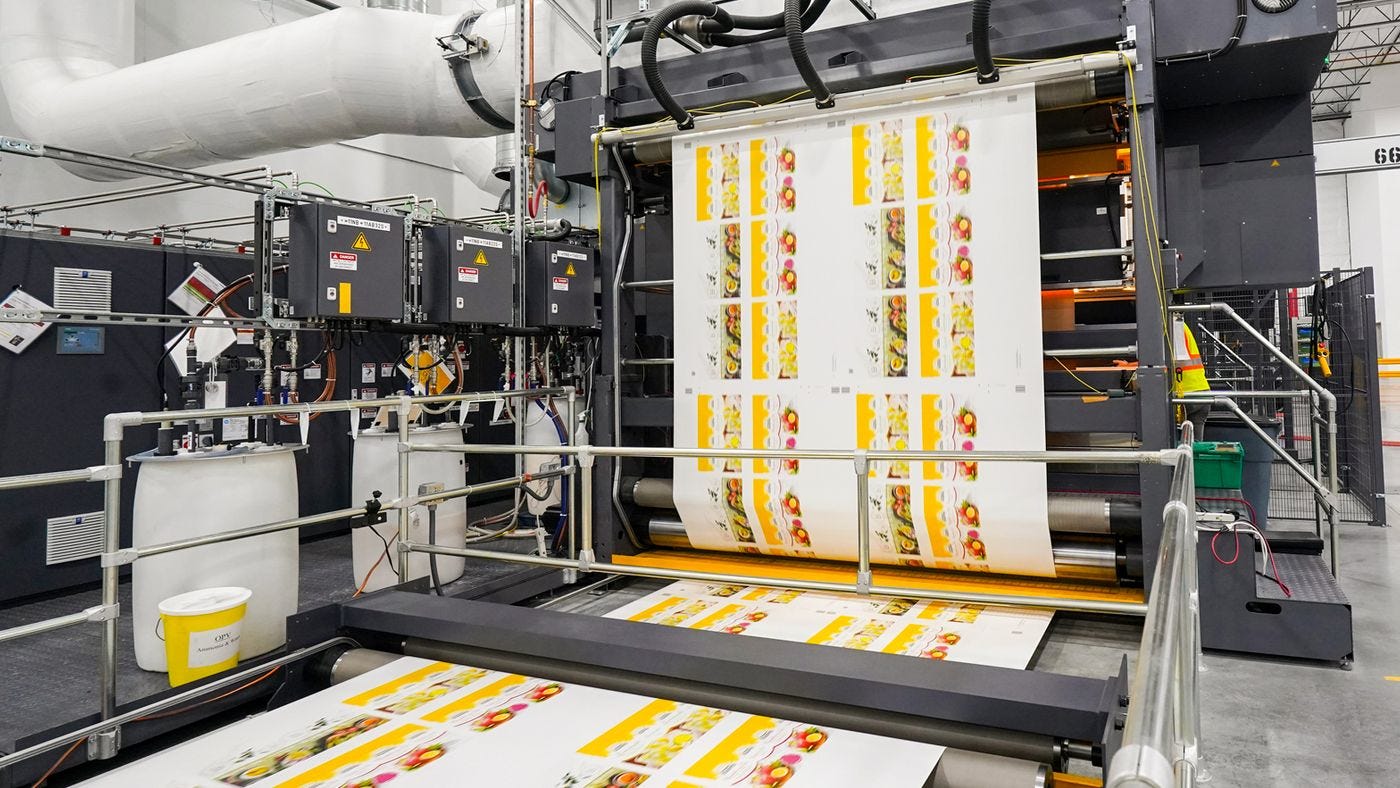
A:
x: 957, y: 768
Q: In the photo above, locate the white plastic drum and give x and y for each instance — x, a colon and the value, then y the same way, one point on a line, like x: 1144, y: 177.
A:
x: 188, y: 495
x: 541, y: 430
x: 376, y: 467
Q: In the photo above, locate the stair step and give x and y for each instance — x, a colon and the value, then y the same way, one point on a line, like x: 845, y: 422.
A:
x: 1307, y: 576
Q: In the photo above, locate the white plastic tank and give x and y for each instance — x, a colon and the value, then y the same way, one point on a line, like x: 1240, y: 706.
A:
x: 541, y: 430
x: 376, y: 467
x: 188, y: 495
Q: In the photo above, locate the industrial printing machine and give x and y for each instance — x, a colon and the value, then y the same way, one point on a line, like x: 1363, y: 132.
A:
x: 1216, y: 125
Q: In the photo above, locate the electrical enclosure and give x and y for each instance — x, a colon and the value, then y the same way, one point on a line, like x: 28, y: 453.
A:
x: 559, y: 285
x: 345, y: 263
x: 468, y: 275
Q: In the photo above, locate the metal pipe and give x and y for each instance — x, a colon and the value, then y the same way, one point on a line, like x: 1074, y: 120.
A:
x: 1092, y: 352
x: 1068, y: 457
x: 1297, y: 467
x: 1315, y: 442
x: 244, y: 533
x: 491, y: 486
x: 648, y: 362
x: 863, y: 575
x: 1249, y: 394
x: 129, y: 193
x: 623, y: 256
x: 25, y: 481
x: 177, y: 699
x: 1039, y: 74
x: 966, y: 597
x: 572, y: 439
x: 1082, y: 254
x: 594, y: 586
x: 649, y: 284
x: 331, y: 406
x: 47, y: 625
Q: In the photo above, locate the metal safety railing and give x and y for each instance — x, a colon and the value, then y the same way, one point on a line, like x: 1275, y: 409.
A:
x: 863, y: 582
x: 104, y: 736
x: 1322, y: 409
x: 1161, y: 736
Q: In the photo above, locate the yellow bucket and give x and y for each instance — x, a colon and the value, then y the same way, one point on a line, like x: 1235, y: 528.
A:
x: 202, y: 630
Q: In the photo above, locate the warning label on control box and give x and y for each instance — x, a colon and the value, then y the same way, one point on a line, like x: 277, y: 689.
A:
x: 345, y: 261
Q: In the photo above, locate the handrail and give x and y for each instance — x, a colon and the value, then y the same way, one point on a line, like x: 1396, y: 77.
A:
x: 1330, y: 399
x: 1161, y: 736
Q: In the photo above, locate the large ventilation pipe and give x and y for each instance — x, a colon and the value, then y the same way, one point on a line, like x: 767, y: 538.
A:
x: 342, y: 75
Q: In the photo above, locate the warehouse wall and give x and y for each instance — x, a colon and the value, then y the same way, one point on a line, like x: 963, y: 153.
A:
x: 1372, y: 201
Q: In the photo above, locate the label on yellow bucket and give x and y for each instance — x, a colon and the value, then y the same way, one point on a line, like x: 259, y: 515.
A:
x: 202, y: 630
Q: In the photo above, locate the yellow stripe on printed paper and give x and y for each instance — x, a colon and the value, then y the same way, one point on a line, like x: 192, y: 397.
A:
x: 624, y: 732
x: 704, y: 207
x: 904, y: 639
x: 363, y: 755
x: 758, y: 172
x: 660, y: 607
x: 926, y: 222
x: 931, y: 420
x: 865, y: 423
x: 727, y: 752
x: 758, y: 341
x: 407, y: 680
x: 934, y: 516
x: 469, y: 702
x: 934, y: 610
x: 928, y: 336
x: 829, y: 632
x: 925, y: 160
x: 862, y: 188
x: 715, y: 617
x: 758, y: 260
x: 704, y: 429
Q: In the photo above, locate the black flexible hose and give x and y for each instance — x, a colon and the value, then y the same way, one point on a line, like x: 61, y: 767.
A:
x: 652, y: 35
x: 797, y: 44
x: 1241, y: 16
x: 981, y: 45
x: 809, y: 14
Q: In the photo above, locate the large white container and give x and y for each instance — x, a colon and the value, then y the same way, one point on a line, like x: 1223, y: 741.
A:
x: 376, y: 467
x: 541, y: 430
x: 188, y: 495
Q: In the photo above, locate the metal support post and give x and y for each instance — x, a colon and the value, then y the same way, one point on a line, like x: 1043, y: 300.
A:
x: 572, y: 439
x: 104, y: 744
x: 1315, y: 446
x: 585, y: 464
x: 405, y: 408
x: 863, y: 575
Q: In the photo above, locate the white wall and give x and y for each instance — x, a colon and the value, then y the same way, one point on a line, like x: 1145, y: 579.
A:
x: 1357, y: 213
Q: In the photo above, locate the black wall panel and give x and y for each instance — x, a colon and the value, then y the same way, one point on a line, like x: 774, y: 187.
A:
x: 52, y: 406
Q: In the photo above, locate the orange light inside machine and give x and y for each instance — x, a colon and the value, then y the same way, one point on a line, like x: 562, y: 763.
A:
x: 1057, y: 168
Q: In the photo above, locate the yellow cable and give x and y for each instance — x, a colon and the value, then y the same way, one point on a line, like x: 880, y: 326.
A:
x: 1154, y: 237
x: 1082, y: 382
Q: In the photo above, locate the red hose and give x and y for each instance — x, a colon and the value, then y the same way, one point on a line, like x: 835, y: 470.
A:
x: 537, y: 199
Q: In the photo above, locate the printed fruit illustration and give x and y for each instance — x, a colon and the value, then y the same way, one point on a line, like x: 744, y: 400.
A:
x: 777, y: 773
x: 800, y: 535
x: 975, y: 547
x: 961, y: 176
x: 807, y: 739
x: 493, y: 719
x: 966, y: 422
x: 959, y: 138
x: 790, y: 419
x: 544, y: 692
x: 787, y: 242
x: 787, y: 160
x: 937, y: 652
x: 951, y: 638
x: 968, y: 514
x: 962, y: 266
x: 792, y: 505
x: 422, y: 757
x: 787, y: 196
x: 962, y: 228
x: 968, y: 471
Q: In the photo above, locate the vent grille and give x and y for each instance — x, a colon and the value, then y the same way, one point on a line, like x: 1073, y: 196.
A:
x: 82, y: 289
x: 75, y: 537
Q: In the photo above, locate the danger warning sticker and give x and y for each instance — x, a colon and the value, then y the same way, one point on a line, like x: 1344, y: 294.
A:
x: 361, y: 243
x: 480, y: 258
x: 561, y: 283
x: 345, y: 261
x: 468, y: 275
x: 570, y: 270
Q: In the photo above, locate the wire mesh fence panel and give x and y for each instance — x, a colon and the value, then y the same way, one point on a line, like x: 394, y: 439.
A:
x: 1345, y: 318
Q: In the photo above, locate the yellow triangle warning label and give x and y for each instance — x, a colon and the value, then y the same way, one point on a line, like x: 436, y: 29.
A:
x: 361, y: 243
x: 480, y: 258
x: 570, y: 270
x: 1275, y: 163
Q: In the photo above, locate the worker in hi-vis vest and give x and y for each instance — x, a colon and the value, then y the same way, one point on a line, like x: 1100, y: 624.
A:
x: 1189, y: 375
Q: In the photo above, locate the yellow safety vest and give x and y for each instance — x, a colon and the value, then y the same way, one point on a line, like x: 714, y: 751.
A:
x: 1188, y: 373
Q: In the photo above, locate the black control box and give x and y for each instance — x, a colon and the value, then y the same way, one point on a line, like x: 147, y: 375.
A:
x: 468, y: 275
x: 345, y: 263
x: 559, y: 285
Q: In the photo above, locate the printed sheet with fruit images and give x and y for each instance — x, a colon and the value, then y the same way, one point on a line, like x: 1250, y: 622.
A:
x: 415, y: 722
x: 864, y: 280
x: 1004, y: 637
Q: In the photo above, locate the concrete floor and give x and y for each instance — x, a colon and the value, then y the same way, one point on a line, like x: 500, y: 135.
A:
x: 1265, y: 722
